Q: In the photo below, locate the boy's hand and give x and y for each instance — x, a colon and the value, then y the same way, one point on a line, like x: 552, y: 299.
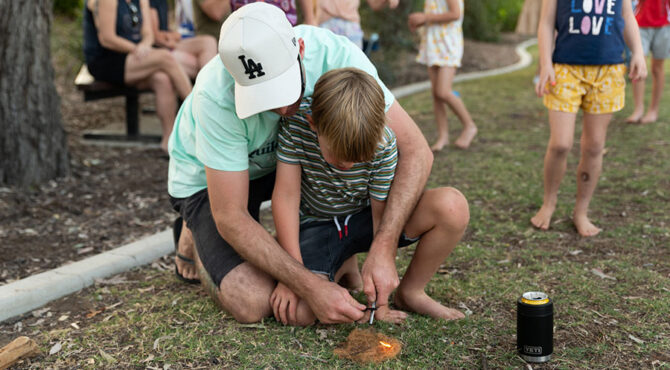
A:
x: 547, y: 76
x: 284, y: 304
x: 380, y: 277
x: 638, y: 68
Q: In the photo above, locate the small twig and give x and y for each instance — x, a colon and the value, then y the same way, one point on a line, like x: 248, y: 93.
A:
x: 313, y: 358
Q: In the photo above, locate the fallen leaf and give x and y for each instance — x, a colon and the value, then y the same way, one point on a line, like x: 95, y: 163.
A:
x: 55, y: 348
x: 601, y: 274
x: 107, y: 356
x: 462, y: 305
x: 148, y: 359
x: 74, y: 325
x: 157, y: 341
x: 575, y: 252
x: 63, y: 317
x: 636, y: 340
x: 93, y: 313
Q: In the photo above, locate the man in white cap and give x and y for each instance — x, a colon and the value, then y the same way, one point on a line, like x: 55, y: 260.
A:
x: 222, y: 165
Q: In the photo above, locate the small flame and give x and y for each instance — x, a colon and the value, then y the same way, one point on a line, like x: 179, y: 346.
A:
x: 384, y: 344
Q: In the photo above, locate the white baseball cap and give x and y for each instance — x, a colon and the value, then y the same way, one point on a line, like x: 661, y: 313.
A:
x: 259, y: 49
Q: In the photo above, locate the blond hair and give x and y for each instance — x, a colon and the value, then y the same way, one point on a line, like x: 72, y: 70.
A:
x: 348, y: 112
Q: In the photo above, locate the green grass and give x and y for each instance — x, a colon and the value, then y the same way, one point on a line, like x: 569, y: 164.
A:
x: 160, y: 321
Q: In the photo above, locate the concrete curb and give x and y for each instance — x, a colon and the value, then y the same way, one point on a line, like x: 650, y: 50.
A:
x: 35, y: 291
x: 30, y: 293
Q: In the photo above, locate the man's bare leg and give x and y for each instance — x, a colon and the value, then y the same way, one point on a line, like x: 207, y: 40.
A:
x: 186, y: 247
x: 594, y: 132
x: 441, y: 217
x: 244, y: 292
x: 562, y: 127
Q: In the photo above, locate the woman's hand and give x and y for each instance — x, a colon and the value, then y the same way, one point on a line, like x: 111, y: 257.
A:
x: 142, y: 49
x: 416, y: 20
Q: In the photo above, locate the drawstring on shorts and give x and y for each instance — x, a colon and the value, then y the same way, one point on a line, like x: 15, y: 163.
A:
x: 346, y: 226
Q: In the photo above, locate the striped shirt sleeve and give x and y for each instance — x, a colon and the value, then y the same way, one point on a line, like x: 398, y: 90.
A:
x: 384, y: 166
x: 286, y: 150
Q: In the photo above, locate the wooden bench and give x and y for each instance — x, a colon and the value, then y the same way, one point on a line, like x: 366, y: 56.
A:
x: 96, y: 90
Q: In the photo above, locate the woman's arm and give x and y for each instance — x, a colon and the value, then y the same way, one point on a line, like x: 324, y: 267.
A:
x: 308, y: 12
x: 147, y: 32
x: 215, y: 9
x: 104, y: 14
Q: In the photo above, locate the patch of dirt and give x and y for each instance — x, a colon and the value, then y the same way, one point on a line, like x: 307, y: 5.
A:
x: 115, y: 195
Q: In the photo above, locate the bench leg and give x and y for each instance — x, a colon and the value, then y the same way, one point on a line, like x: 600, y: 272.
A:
x: 132, y: 125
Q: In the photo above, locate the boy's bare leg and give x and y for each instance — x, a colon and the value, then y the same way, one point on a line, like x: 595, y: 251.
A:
x: 440, y: 217
x: 440, y: 111
x: 562, y: 128
x: 186, y: 247
x: 594, y: 132
x: 658, y: 76
x: 638, y: 101
x: 445, y: 78
x: 349, y: 276
x: 244, y: 292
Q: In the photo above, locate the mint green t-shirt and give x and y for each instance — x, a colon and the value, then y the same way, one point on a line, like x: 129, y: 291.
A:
x: 207, y: 131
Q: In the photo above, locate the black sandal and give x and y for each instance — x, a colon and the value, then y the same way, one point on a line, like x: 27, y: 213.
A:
x: 176, y: 233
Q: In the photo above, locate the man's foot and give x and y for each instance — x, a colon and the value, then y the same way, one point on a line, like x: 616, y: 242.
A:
x: 650, y: 117
x: 634, y: 117
x: 542, y: 218
x: 585, y: 227
x: 439, y: 144
x: 185, y: 253
x: 466, y: 137
x: 421, y: 303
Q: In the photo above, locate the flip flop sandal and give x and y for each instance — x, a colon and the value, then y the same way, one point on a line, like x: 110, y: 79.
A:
x: 176, y: 232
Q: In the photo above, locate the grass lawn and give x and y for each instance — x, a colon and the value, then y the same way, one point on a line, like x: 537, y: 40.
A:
x: 146, y: 318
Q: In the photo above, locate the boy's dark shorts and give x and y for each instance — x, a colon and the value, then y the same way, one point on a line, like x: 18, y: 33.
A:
x: 217, y: 256
x: 324, y: 252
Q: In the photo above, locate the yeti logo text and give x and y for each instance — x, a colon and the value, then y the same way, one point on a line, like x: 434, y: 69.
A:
x: 250, y: 67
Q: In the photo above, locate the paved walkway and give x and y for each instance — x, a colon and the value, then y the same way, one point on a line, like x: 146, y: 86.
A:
x: 27, y: 294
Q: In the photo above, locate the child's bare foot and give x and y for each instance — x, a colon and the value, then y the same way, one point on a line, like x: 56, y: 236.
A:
x: 384, y: 313
x: 421, y: 303
x: 352, y: 281
x: 466, y: 137
x: 440, y: 143
x: 634, y: 117
x: 542, y: 218
x: 585, y: 227
x: 650, y: 117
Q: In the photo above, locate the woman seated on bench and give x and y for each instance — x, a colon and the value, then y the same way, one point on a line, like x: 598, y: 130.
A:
x: 118, y: 49
x: 192, y: 53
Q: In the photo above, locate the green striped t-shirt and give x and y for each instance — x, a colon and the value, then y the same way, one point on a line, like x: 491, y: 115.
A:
x: 326, y: 191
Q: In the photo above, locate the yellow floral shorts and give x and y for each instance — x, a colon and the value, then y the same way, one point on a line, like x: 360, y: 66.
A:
x: 597, y: 89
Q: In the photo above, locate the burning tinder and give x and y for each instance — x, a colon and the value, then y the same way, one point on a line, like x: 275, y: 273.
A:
x: 366, y: 346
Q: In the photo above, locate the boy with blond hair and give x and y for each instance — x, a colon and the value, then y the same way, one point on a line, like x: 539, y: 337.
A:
x: 336, y: 162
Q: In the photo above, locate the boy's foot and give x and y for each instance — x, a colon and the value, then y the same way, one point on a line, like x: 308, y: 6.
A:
x: 352, y: 281
x: 585, y: 227
x: 440, y: 144
x: 185, y: 254
x: 466, y: 137
x: 635, y: 117
x: 650, y: 117
x: 422, y: 304
x: 386, y: 314
x: 542, y: 218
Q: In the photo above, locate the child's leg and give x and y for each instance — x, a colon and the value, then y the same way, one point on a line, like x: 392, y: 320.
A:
x: 440, y: 217
x: 638, y: 101
x: 440, y: 111
x: 562, y: 127
x: 658, y: 76
x: 349, y: 276
x: 592, y: 143
x: 442, y: 90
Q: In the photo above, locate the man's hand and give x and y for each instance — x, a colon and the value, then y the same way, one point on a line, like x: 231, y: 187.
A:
x: 333, y: 304
x: 284, y: 304
x: 380, y: 276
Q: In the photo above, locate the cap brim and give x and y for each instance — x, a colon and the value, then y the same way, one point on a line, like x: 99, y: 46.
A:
x: 278, y: 92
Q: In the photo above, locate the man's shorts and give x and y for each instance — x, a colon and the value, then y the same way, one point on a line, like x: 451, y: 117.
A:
x: 326, y: 245
x: 597, y: 89
x: 656, y: 40
x: 217, y: 256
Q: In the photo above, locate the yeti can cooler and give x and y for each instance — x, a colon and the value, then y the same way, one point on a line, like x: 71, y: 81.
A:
x: 534, y: 327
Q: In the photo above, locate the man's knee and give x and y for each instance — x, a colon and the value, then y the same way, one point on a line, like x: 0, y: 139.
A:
x: 245, y: 293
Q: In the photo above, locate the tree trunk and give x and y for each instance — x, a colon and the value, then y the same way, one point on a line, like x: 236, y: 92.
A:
x: 32, y: 140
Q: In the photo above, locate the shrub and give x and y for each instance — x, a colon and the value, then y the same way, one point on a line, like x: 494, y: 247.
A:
x: 68, y: 7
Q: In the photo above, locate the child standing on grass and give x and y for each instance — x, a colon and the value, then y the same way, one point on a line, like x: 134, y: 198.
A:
x: 441, y: 50
x: 587, y: 72
x: 653, y: 19
x: 335, y: 165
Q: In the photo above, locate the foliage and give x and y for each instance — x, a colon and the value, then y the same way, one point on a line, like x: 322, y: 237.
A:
x: 68, y: 7
x: 485, y: 19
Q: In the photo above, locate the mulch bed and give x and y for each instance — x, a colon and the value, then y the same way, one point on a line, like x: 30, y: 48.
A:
x: 115, y: 195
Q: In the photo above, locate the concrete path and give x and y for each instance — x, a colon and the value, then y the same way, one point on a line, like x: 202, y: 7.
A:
x: 27, y: 294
